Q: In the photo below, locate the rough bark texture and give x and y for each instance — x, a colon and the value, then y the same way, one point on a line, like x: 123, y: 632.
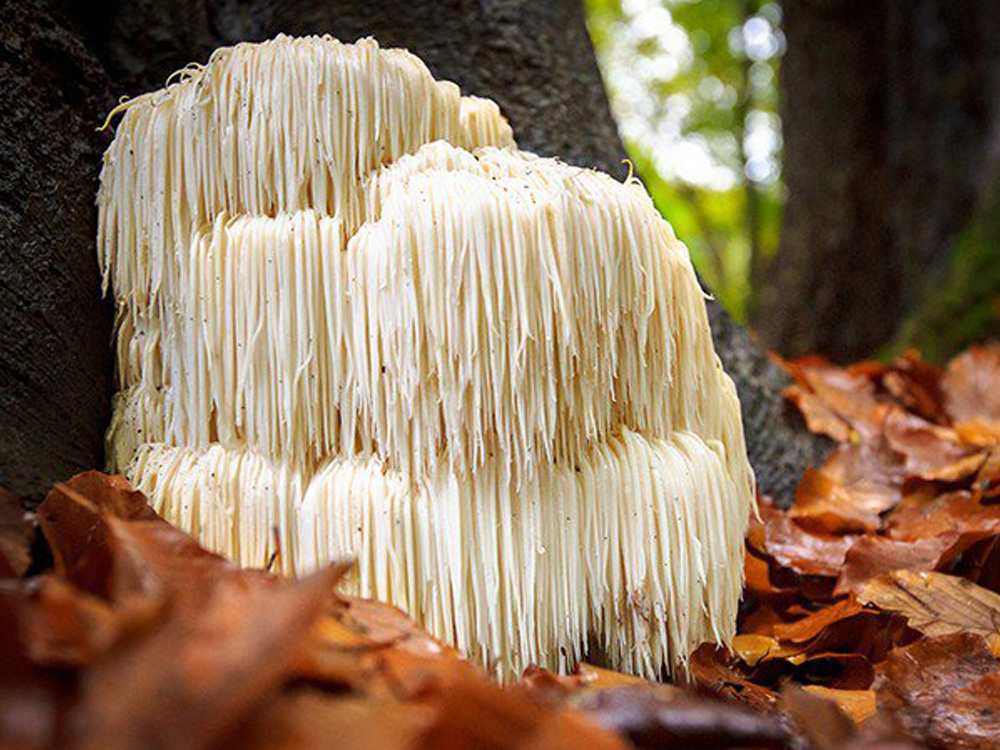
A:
x: 533, y: 58
x: 55, y: 361
x: 890, y: 115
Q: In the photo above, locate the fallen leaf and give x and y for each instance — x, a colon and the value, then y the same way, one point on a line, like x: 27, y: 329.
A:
x: 16, y: 533
x: 979, y: 432
x: 857, y: 705
x: 475, y: 713
x: 309, y: 718
x: 931, y: 451
x: 717, y: 671
x: 757, y: 575
x: 31, y: 697
x: 834, y: 401
x: 189, y: 680
x: 917, y: 386
x: 67, y: 627
x: 843, y: 628
x: 925, y: 514
x: 814, y: 623
x: 935, y: 603
x: 970, y: 384
x: 751, y: 647
x: 943, y: 691
x: 598, y: 678
x: 802, y: 550
x: 650, y: 720
x: 818, y: 718
x: 855, y: 485
x: 871, y: 556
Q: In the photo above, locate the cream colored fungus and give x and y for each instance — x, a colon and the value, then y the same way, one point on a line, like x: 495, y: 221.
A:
x: 349, y: 309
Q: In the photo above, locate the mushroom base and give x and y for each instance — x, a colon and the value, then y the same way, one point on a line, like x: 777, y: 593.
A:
x: 636, y: 550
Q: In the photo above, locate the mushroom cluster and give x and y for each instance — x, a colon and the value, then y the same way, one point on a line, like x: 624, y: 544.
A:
x: 354, y: 320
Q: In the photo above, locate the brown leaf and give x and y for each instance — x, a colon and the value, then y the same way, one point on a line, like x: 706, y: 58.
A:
x: 598, y: 678
x: 845, y: 627
x: 871, y: 556
x: 753, y: 647
x: 814, y: 623
x: 857, y: 705
x: 925, y: 514
x: 475, y: 713
x: 979, y: 432
x: 16, y: 533
x: 931, y: 452
x: 66, y: 627
x: 718, y: 672
x: 801, y: 550
x: 917, y: 386
x: 30, y: 697
x: 651, y: 719
x: 854, y: 486
x: 75, y: 520
x: 313, y: 719
x: 834, y: 401
x: 818, y: 718
x: 757, y: 574
x: 199, y: 672
x: 970, y: 384
x: 944, y: 691
x: 935, y: 603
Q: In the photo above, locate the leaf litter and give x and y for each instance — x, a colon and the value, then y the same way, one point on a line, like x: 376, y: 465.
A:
x: 871, y: 615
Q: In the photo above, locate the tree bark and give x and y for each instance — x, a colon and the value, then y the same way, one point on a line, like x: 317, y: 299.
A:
x: 891, y: 133
x: 55, y: 331
x: 534, y: 58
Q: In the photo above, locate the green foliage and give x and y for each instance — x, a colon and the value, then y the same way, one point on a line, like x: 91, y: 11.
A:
x: 963, y: 306
x: 693, y: 85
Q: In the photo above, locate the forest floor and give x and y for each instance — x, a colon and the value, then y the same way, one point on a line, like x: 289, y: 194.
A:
x: 871, y: 617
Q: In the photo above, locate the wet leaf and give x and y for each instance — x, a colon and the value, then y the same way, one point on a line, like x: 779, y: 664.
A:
x: 855, y: 485
x: 752, y: 647
x: 801, y: 550
x: 477, y: 714
x: 970, y: 384
x: 818, y: 718
x: 944, y: 691
x: 924, y: 515
x: 871, y: 556
x: 717, y: 671
x: 650, y: 720
x: 857, y: 705
x: 916, y: 385
x: 598, y: 678
x: 16, y: 533
x: 937, y: 604
x: 196, y: 674
x: 931, y: 452
x: 834, y: 401
x: 313, y: 719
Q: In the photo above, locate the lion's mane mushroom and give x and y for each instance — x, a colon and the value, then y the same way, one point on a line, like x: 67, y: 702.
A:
x: 350, y: 310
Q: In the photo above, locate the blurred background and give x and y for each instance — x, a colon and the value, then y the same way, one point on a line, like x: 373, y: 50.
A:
x: 830, y: 164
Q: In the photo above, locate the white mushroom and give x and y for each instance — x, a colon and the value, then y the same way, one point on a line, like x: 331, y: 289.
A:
x: 350, y: 310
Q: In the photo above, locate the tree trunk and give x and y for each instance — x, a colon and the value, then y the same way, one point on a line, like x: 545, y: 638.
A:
x: 55, y: 331
x: 534, y: 58
x: 890, y: 121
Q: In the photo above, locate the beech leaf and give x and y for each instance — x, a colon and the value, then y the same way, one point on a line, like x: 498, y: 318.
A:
x: 935, y: 603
